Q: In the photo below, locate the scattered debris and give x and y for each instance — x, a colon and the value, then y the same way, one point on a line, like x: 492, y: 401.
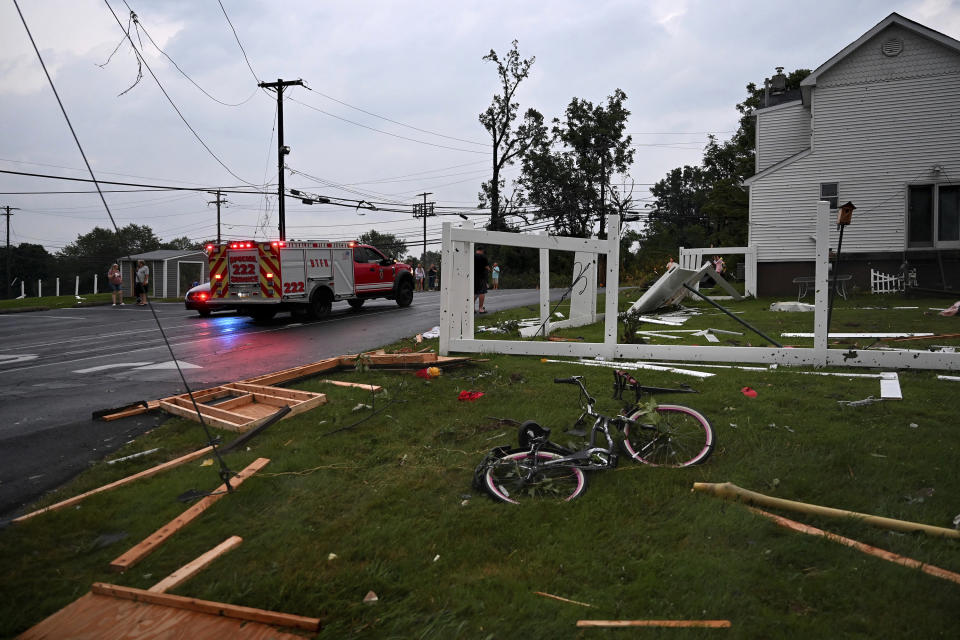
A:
x: 357, y: 385
x: 710, y: 624
x: 859, y: 403
x: 207, y: 463
x: 332, y: 556
x: 912, y: 425
x: 433, y: 333
x: 803, y: 334
x: 953, y: 378
x: 792, y: 306
x: 244, y: 405
x: 747, y: 391
x: 436, y: 557
x: 731, y: 491
x: 370, y: 598
x: 429, y: 372
x: 890, y: 386
x: 859, y: 546
x: 194, y: 567
x: 470, y: 396
x: 550, y: 595
x: 361, y: 407
x: 559, y: 339
x: 951, y: 310
x: 631, y: 366
x: 133, y: 455
x: 918, y: 496
x: 560, y: 315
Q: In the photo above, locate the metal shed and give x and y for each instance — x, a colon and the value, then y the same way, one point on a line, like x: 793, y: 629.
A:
x: 172, y: 271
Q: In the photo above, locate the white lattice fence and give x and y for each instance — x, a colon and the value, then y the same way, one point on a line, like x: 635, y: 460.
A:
x: 885, y: 283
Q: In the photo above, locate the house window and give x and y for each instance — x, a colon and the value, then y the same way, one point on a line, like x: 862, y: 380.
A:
x: 933, y: 215
x: 830, y: 191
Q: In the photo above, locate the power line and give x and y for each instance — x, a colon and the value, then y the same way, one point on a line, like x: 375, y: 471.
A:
x: 239, y: 44
x: 170, y: 100
x: 409, y: 126
x: 258, y: 191
x: 387, y: 133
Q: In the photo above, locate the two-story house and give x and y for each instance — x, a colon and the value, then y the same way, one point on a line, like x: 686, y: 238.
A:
x: 877, y: 124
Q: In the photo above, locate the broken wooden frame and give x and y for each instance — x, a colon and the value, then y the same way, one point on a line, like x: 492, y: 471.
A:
x: 246, y: 405
x: 457, y: 320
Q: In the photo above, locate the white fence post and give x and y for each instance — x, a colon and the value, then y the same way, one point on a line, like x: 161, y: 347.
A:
x: 39, y: 288
x: 57, y: 288
x: 95, y: 283
x: 822, y: 287
x: 612, y: 287
x: 76, y: 285
x: 23, y: 290
x: 545, y: 289
x: 447, y: 311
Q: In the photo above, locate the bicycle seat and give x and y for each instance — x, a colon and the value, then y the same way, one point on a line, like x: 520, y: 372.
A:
x: 531, y: 432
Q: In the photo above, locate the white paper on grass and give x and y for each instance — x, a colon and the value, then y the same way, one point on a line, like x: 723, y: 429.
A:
x: 890, y: 385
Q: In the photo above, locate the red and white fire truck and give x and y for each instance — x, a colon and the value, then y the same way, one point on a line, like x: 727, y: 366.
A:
x: 263, y: 278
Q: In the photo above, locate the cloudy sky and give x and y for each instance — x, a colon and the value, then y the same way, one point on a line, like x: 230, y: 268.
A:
x: 395, y: 90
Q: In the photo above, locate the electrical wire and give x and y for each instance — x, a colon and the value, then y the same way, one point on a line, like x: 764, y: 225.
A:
x: 196, y: 135
x: 225, y: 472
x: 258, y: 190
x: 239, y: 44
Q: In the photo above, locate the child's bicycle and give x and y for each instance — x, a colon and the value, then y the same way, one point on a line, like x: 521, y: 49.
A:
x: 658, y: 435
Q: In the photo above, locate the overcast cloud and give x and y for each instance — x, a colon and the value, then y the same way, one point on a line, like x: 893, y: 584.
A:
x: 682, y: 63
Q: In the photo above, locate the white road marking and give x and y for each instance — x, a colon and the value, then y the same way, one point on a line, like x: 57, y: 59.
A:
x: 12, y: 358
x: 31, y: 315
x: 116, y: 365
x: 170, y: 364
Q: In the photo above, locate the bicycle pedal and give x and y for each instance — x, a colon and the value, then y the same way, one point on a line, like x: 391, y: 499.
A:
x: 576, y: 432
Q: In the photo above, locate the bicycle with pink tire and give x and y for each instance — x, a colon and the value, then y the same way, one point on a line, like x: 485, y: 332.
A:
x: 663, y: 435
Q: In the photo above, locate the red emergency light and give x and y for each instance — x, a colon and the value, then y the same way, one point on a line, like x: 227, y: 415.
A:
x: 219, y: 276
x: 269, y: 275
x: 209, y: 248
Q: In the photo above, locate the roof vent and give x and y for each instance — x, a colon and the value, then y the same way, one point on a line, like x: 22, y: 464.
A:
x: 892, y: 47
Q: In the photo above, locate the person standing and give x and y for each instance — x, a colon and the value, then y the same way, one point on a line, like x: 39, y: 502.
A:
x: 495, y: 275
x: 432, y: 277
x: 670, y: 263
x: 418, y: 273
x: 115, y: 280
x: 480, y: 268
x: 141, y: 283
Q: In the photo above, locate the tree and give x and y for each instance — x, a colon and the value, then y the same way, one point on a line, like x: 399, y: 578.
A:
x: 388, y: 243
x: 105, y: 244
x: 572, y: 184
x: 182, y: 243
x: 509, y: 141
x: 28, y: 263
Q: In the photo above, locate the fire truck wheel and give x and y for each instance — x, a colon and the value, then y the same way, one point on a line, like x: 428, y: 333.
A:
x: 405, y: 293
x: 204, y: 313
x: 355, y: 303
x: 320, y: 304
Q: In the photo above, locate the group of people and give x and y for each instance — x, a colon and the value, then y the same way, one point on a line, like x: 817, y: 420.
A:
x: 718, y: 264
x: 140, y: 283
x: 430, y: 278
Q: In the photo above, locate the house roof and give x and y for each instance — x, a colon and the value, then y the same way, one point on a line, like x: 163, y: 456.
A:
x: 893, y: 18
x: 776, y: 167
x: 164, y: 254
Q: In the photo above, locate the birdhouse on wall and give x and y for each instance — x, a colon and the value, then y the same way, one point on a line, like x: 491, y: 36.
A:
x: 845, y: 214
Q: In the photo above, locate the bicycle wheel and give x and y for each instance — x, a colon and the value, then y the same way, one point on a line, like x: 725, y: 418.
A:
x: 681, y: 437
x: 512, y: 478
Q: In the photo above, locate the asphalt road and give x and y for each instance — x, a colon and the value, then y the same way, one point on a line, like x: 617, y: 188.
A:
x: 58, y: 367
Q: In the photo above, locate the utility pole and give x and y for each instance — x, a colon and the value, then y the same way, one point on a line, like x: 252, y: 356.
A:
x: 218, y: 202
x: 6, y: 287
x: 282, y: 150
x: 424, y: 211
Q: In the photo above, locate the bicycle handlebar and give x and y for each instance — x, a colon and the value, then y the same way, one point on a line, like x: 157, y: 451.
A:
x: 571, y: 380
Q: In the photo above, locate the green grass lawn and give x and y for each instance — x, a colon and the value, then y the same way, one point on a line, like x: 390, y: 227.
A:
x: 62, y: 302
x: 391, y: 498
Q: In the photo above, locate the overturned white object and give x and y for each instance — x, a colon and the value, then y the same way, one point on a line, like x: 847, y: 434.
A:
x: 792, y: 306
x: 433, y: 333
x: 890, y: 385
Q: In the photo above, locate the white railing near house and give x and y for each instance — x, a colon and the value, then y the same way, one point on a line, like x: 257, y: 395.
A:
x: 693, y: 258
x: 884, y: 283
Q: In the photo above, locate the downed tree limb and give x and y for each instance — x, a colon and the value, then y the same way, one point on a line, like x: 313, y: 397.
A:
x: 731, y: 491
x: 860, y: 546
x: 710, y: 624
x: 152, y: 471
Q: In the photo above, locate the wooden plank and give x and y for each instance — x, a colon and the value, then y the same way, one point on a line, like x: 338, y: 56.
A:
x: 194, y: 567
x: 366, y: 387
x: 217, y: 412
x: 292, y: 394
x: 145, y: 548
x: 192, y: 415
x: 110, y: 618
x: 296, y: 372
x: 309, y: 404
x: 146, y: 473
x: 208, y: 606
x: 275, y: 401
x: 124, y: 414
x: 234, y: 403
x: 711, y: 624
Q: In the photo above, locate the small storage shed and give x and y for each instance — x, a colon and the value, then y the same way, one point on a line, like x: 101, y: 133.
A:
x: 172, y: 271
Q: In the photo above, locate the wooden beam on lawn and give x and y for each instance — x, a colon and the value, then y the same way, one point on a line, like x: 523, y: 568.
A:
x: 206, y: 606
x: 710, y: 624
x: 296, y: 372
x: 194, y: 567
x: 146, y: 473
x: 733, y: 492
x: 291, y: 394
x: 860, y: 546
x: 366, y: 387
x: 145, y: 548
x: 211, y: 420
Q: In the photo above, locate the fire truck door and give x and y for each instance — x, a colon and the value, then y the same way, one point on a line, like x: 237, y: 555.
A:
x: 292, y: 268
x: 343, y: 273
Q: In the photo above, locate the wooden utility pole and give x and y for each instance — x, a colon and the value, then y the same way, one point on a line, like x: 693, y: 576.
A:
x: 424, y: 211
x: 282, y: 150
x: 219, y: 201
x: 6, y: 287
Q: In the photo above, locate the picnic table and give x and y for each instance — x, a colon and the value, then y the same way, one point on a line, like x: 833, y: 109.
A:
x: 805, y: 283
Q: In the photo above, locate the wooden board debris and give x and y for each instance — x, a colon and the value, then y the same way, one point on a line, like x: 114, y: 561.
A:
x: 247, y: 405
x: 710, y: 624
x: 147, y: 546
x: 195, y: 566
x: 152, y: 471
x: 366, y: 387
x: 107, y: 617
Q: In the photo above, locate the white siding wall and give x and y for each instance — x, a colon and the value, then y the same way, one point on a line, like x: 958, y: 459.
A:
x: 782, y: 131
x: 873, y: 139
